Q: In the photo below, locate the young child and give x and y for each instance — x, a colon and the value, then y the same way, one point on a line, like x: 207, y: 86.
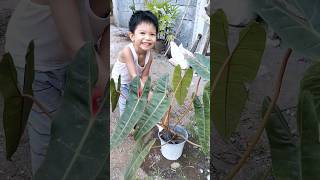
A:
x: 136, y: 59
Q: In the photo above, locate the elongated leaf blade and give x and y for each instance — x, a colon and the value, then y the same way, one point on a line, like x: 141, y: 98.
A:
x: 156, y: 109
x: 310, y: 82
x: 16, y: 108
x: 27, y: 86
x: 206, y: 127
x: 114, y: 95
x: 308, y: 122
x: 181, y: 85
x: 78, y: 147
x: 12, y: 104
x: 218, y: 42
x: 285, y: 150
x: 176, y: 79
x: 206, y: 102
x: 230, y: 94
x: 202, y: 115
x: 309, y: 132
x: 133, y: 111
x: 201, y: 65
x: 290, y: 23
x: 140, y: 152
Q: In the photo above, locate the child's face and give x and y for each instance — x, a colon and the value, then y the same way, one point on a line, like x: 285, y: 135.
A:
x: 144, y: 36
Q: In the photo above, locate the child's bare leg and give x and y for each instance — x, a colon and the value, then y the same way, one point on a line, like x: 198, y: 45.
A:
x: 150, y: 96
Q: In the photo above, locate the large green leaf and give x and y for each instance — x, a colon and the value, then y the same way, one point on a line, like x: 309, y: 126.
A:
x: 132, y: 113
x: 295, y: 21
x: 202, y: 115
x: 16, y: 108
x: 78, y: 147
x: 201, y: 65
x: 284, y: 146
x: 156, y: 109
x: 181, y: 84
x: 115, y: 93
x: 230, y: 94
x: 140, y: 151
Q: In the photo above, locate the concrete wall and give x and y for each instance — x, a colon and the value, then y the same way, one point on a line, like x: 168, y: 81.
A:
x: 201, y: 25
x: 190, y: 27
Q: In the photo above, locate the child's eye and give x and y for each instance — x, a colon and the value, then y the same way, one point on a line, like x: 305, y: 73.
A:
x: 142, y: 33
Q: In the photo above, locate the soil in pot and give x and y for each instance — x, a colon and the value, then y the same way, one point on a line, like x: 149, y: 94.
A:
x: 169, y: 137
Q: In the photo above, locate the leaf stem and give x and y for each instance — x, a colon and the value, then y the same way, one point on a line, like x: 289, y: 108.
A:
x: 265, y: 118
x: 45, y: 110
x: 217, y: 78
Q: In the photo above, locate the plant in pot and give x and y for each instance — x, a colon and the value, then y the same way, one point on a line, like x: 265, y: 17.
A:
x: 144, y: 114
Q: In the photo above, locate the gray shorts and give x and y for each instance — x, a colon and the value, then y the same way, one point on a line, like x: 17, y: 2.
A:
x: 123, y: 97
x: 48, y: 88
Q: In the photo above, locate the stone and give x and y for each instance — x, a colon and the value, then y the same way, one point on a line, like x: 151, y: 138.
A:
x: 175, y: 165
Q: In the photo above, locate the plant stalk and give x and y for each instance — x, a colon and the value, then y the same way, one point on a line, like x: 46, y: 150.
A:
x: 265, y: 118
x: 217, y: 78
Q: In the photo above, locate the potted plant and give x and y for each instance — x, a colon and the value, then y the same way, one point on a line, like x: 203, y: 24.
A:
x: 144, y: 114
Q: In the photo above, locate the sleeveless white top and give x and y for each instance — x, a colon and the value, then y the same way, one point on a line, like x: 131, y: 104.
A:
x: 32, y: 21
x: 120, y: 68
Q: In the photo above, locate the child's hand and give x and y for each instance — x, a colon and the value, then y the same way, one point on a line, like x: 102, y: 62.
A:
x: 96, y: 95
x: 139, y: 92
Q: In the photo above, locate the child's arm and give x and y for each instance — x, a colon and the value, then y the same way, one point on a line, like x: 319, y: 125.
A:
x: 145, y: 72
x: 67, y: 19
x: 125, y: 56
x: 66, y: 15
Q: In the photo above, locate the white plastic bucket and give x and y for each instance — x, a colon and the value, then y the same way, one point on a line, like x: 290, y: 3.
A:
x: 173, y: 151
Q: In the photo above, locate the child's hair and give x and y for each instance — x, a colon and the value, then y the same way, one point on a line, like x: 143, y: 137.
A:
x: 142, y: 16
